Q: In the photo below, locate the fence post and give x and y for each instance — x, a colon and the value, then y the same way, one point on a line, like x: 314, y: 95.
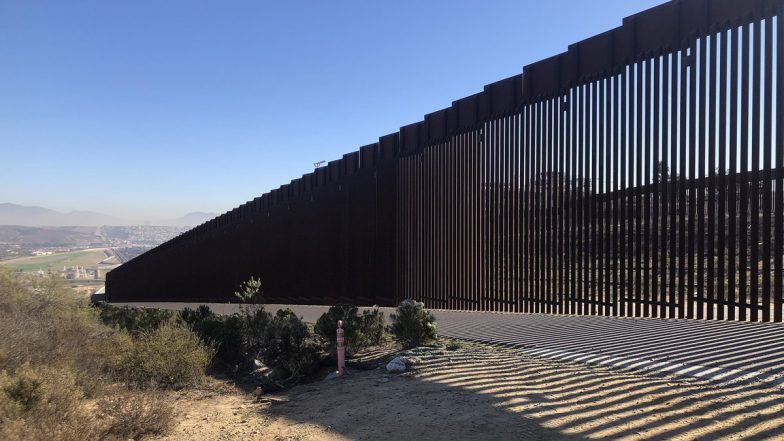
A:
x: 341, y: 349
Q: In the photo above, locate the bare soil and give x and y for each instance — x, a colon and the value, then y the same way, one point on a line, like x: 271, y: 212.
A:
x: 486, y: 393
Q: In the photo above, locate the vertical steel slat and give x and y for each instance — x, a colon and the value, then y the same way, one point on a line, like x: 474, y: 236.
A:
x: 666, y: 293
x: 711, y: 182
x: 562, y: 208
x: 454, y: 191
x: 580, y: 206
x: 603, y: 191
x: 743, y: 208
x: 504, y: 209
x: 636, y: 215
x: 721, y: 82
x: 572, y: 154
x: 456, y: 297
x: 647, y: 196
x: 516, y: 213
x: 569, y: 202
x: 473, y: 143
x: 593, y: 196
x: 778, y: 279
x: 430, y: 185
x: 551, y: 154
x: 531, y: 210
x: 754, y: 297
x: 623, y: 242
x: 540, y: 208
x: 657, y: 307
x: 682, y: 130
x: 674, y: 75
x: 487, y: 201
x: 442, y: 247
x: 732, y: 296
x: 445, y: 247
x: 498, y: 217
x: 487, y: 226
x: 522, y: 221
x: 616, y: 190
x: 507, y: 215
x: 492, y: 183
x: 513, y: 216
x: 539, y: 164
x: 767, y: 175
x: 699, y: 182
x: 554, y: 200
x: 690, y: 175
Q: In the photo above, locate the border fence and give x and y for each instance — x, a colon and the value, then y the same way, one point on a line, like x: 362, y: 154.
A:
x: 640, y: 173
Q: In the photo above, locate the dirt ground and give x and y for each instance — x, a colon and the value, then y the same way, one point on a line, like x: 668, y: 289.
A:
x: 486, y: 393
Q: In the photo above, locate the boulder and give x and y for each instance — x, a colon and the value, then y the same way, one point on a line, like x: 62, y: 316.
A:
x: 397, y: 365
x: 411, y: 360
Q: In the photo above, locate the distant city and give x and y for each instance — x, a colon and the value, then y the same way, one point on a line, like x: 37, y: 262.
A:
x: 128, y: 242
x: 80, y: 255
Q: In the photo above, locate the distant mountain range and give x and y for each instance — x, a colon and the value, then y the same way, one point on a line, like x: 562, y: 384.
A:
x: 13, y: 214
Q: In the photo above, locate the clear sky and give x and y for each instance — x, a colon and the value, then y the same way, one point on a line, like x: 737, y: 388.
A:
x: 151, y: 109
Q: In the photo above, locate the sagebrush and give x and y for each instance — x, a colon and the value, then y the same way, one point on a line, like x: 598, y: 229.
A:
x: 170, y: 357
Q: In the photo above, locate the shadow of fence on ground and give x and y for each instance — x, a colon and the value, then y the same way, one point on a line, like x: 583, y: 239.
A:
x: 603, y: 403
x: 719, y: 351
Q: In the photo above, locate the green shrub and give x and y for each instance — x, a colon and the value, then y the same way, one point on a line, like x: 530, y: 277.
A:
x: 135, y: 320
x: 372, y: 328
x: 254, y: 320
x: 169, y: 357
x: 326, y: 326
x: 359, y: 331
x: 224, y: 333
x: 250, y: 291
x: 454, y: 345
x: 288, y: 343
x: 412, y: 325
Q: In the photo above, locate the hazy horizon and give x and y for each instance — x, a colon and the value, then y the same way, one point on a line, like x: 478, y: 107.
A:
x: 150, y: 110
x: 37, y: 216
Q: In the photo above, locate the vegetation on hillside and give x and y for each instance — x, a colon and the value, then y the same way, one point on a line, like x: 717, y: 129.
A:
x: 64, y: 375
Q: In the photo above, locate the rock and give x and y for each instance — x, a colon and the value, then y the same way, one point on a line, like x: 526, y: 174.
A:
x: 411, y: 361
x: 332, y: 375
x: 397, y: 365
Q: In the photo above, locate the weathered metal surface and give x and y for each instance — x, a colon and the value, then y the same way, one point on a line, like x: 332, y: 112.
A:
x: 639, y: 173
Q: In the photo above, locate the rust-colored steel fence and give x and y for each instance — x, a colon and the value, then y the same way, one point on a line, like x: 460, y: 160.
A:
x: 640, y: 173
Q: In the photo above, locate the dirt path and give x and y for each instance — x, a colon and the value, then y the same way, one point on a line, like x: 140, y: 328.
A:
x: 480, y: 392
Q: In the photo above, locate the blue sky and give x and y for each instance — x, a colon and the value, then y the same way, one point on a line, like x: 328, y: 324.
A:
x: 151, y: 109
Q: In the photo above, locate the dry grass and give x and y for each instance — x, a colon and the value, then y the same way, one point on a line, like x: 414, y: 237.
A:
x: 57, y: 360
x: 135, y: 414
